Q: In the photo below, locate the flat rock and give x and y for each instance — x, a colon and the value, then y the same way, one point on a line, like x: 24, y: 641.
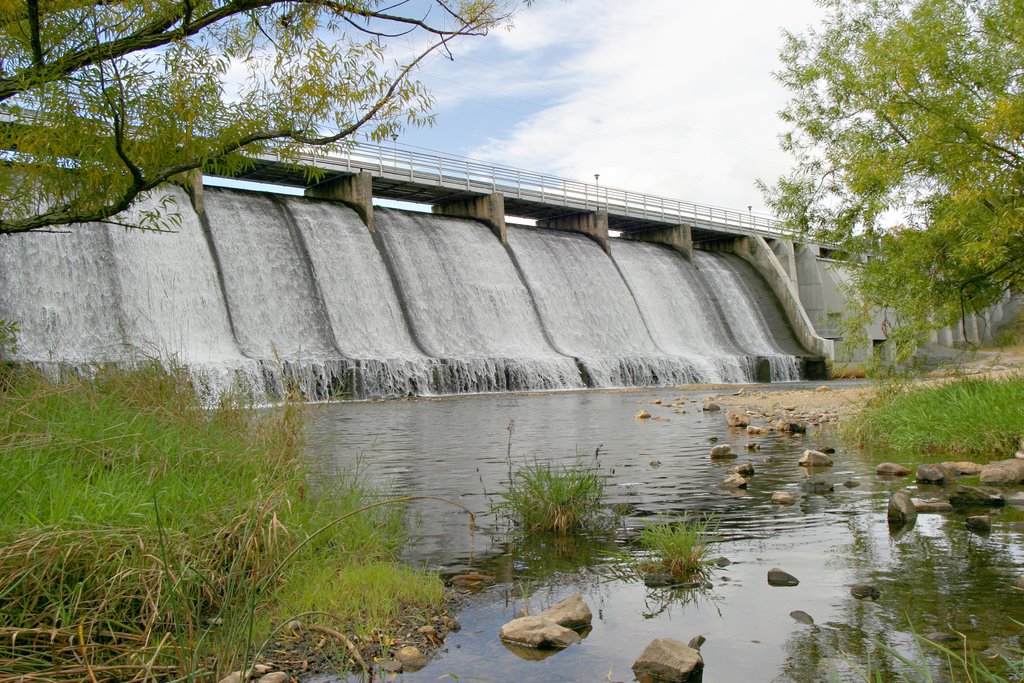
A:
x: 537, y: 632
x: 696, y: 642
x: 722, y: 451
x: 813, y: 458
x: 934, y: 474
x: 981, y: 524
x: 734, y: 481
x: 666, y: 659
x: 964, y: 468
x: 901, y: 509
x: 802, y: 616
x: 968, y: 496
x: 892, y: 469
x: 783, y: 498
x: 865, y: 591
x: 1017, y: 499
x: 572, y: 612
x: 932, y: 506
x: 1003, y: 472
x: 778, y: 577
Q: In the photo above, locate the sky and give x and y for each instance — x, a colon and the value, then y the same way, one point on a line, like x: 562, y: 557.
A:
x: 665, y: 97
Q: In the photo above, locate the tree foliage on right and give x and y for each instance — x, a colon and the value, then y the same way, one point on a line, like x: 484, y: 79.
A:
x: 907, y: 127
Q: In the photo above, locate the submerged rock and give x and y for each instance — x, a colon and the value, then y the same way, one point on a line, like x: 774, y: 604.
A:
x: 666, y: 659
x: 901, y: 509
x: 981, y: 524
x: 711, y: 407
x: 643, y: 415
x: 892, y: 469
x: 812, y: 458
x: 865, y: 591
x: 968, y: 496
x: 538, y: 632
x: 817, y: 486
x: 778, y: 577
x: 783, y: 498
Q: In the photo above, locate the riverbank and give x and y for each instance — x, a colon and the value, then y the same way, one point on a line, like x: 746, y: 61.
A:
x: 145, y: 537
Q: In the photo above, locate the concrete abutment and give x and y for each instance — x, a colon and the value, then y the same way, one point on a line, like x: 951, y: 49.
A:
x: 677, y: 237
x: 593, y: 224
x: 355, y: 191
x: 489, y: 208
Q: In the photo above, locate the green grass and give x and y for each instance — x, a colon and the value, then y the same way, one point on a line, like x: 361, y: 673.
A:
x: 679, y: 547
x: 541, y: 498
x: 143, y: 535
x: 966, y: 417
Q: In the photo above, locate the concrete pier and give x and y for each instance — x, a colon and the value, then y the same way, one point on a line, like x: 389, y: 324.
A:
x: 489, y: 208
x: 678, y: 237
x: 593, y: 224
x: 355, y: 191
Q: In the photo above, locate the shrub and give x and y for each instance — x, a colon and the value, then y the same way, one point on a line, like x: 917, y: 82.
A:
x: 541, y: 498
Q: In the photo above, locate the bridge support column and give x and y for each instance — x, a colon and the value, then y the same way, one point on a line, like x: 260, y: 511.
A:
x: 593, y: 224
x: 355, y: 191
x: 194, y: 188
x: 489, y: 208
x: 678, y: 237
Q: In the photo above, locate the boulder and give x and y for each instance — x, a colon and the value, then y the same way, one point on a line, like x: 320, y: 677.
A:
x: 734, y: 481
x: 666, y: 659
x: 783, y: 498
x: 815, y: 459
x: 981, y: 524
x: 746, y: 469
x: 934, y: 474
x: 735, y: 418
x: 926, y: 506
x: 572, y: 612
x: 892, y: 469
x: 964, y: 468
x: 537, y: 632
x: 865, y: 591
x: 1003, y: 472
x: 778, y: 577
x: 711, y: 407
x: 901, y: 508
x: 968, y: 496
x: 722, y: 450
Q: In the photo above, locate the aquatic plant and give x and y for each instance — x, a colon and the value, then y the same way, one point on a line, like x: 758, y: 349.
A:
x: 680, y: 547
x: 143, y: 537
x: 545, y: 498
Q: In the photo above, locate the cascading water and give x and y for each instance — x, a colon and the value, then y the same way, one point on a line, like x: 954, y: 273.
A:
x: 745, y: 320
x: 468, y: 306
x: 680, y: 316
x: 590, y: 313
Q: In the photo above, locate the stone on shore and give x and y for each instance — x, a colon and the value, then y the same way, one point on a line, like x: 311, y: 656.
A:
x: 1003, y: 472
x: 901, y: 508
x: 538, y: 632
x: 411, y: 658
x: 813, y: 458
x: 778, y: 577
x: 892, y: 469
x: 669, y: 660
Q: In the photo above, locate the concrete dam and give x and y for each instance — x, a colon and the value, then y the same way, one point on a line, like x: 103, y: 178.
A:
x: 262, y: 290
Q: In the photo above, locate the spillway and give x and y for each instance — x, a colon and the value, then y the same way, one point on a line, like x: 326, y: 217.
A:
x: 267, y: 293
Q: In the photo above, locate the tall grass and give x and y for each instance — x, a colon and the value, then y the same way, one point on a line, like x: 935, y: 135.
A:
x: 541, y: 498
x: 967, y: 417
x: 678, y: 547
x: 145, y: 537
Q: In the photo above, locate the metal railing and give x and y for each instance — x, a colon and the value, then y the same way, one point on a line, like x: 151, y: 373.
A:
x: 452, y: 172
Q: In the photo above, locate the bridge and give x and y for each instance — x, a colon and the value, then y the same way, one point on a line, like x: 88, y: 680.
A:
x: 446, y: 181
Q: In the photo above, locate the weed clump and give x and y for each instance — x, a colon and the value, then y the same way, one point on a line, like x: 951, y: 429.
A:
x: 678, y: 547
x: 542, y: 498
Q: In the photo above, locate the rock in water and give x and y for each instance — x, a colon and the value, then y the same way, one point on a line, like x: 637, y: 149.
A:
x: 643, y: 415
x: 411, y: 658
x: 777, y: 577
x: 720, y: 451
x: 1003, y: 472
x: 981, y: 524
x: 783, y: 498
x: 735, y: 481
x: 802, y: 616
x: 968, y: 496
x: 815, y: 459
x: 892, y: 469
x: 746, y: 469
x: 573, y: 612
x: 865, y: 591
x: 737, y: 419
x: 668, y: 660
x: 537, y: 632
x: 934, y: 474
x: 901, y: 508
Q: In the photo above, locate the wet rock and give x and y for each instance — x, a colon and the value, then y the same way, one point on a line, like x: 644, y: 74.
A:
x: 655, y: 463
x: 721, y: 451
x: 746, y: 469
x: 643, y: 415
x: 932, y: 506
x: 712, y: 407
x: 472, y: 580
x: 934, y: 474
x: 713, y: 439
x: 892, y: 469
x: 783, y: 498
x: 537, y: 632
x: 696, y: 642
x: 1003, y: 472
x: 1016, y: 500
x: 963, y: 467
x: 790, y: 427
x: 778, y: 577
x: 968, y: 496
x: 813, y: 458
x: 274, y: 677
x: 391, y: 666
x: 901, y: 509
x: 736, y: 419
x: 666, y: 659
x: 572, y: 612
x: 655, y: 402
x: 722, y: 562
x: 411, y: 658
x: 851, y: 483
x: 865, y: 591
x: 981, y: 524
x: 1019, y: 582
x: 657, y: 579
x: 752, y: 446
x: 818, y: 486
x: 755, y: 430
x: 942, y: 638
x: 801, y: 616
x: 734, y: 481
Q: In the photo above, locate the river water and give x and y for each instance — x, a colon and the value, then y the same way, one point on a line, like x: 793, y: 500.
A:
x: 937, y: 576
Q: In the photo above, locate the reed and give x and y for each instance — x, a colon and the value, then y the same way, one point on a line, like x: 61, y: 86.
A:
x: 680, y: 547
x: 542, y: 498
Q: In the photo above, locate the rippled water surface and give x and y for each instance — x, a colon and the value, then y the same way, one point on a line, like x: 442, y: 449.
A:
x: 936, y: 575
